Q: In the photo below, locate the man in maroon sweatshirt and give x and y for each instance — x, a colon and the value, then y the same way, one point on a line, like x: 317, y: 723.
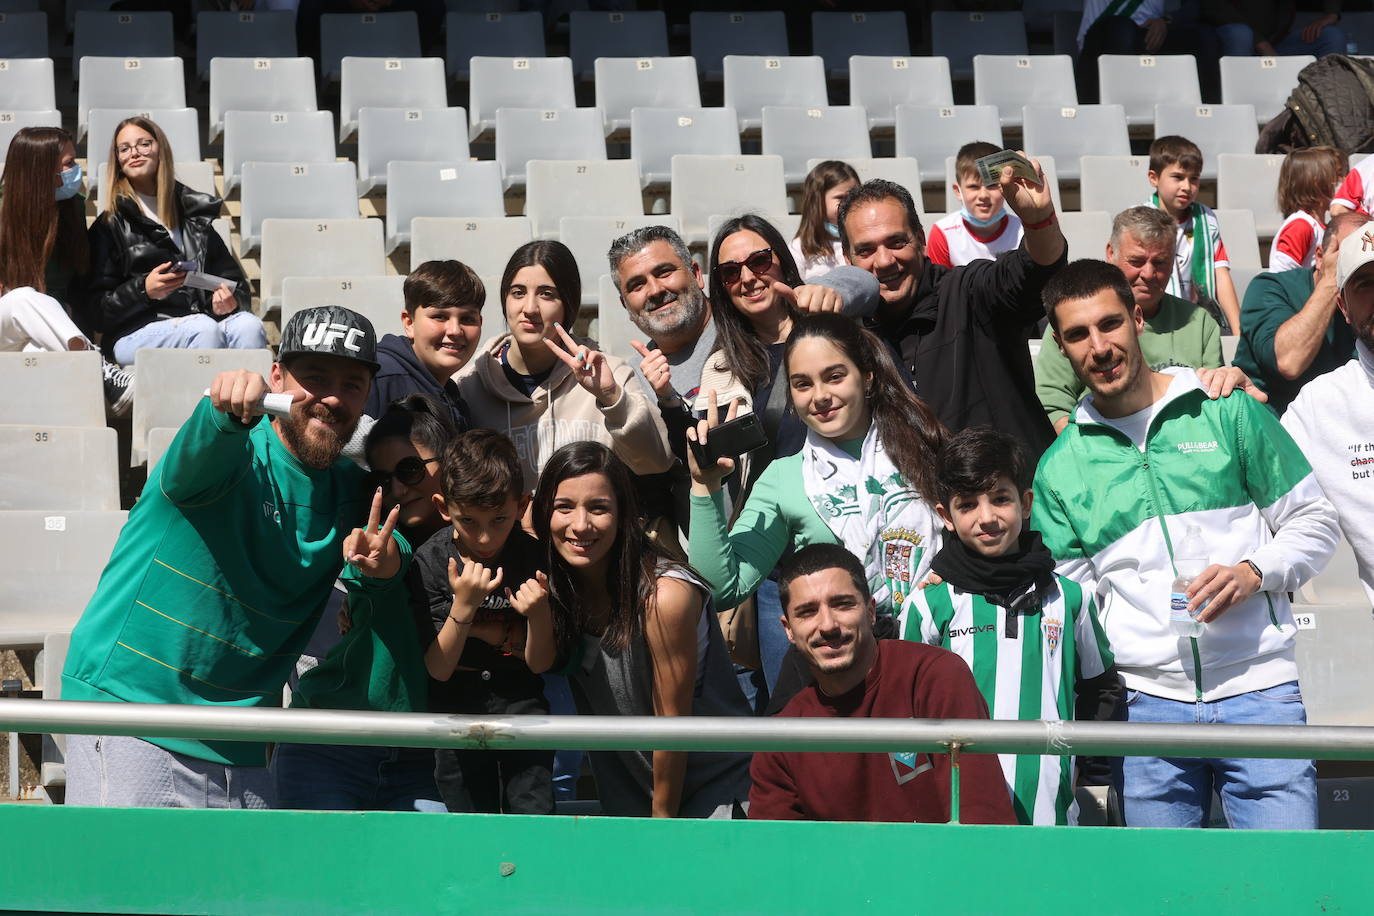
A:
x: 828, y: 614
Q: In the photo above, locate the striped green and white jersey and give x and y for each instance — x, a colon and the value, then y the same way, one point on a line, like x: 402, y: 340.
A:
x: 1025, y: 671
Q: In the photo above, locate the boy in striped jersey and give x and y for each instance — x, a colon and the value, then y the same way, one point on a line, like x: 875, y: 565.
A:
x: 1030, y: 636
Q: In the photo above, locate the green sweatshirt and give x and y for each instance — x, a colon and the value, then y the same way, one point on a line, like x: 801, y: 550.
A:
x: 1270, y: 300
x: 218, y: 578
x: 777, y: 515
x: 1180, y: 334
x: 379, y: 663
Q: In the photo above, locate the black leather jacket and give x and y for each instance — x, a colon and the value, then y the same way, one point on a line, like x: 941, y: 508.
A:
x: 126, y: 246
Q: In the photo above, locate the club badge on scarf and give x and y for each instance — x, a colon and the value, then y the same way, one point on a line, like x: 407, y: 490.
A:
x: 874, y: 512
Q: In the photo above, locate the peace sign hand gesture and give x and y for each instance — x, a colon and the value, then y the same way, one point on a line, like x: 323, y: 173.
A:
x: 373, y: 551
x: 589, y: 367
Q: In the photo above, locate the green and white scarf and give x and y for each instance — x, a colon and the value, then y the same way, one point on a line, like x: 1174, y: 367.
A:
x: 874, y: 513
x: 1125, y: 8
x: 1203, y: 267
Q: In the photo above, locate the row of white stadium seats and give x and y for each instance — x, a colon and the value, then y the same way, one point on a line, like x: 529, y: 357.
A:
x: 878, y: 87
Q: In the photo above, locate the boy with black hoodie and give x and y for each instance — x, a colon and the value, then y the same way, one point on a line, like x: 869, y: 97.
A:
x: 443, y: 325
x: 1029, y: 635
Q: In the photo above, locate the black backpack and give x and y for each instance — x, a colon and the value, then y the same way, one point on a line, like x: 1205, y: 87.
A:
x: 1333, y: 105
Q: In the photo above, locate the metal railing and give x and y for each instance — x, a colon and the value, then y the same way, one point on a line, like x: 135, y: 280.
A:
x: 687, y: 733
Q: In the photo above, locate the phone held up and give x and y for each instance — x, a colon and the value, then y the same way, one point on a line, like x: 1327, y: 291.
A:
x: 730, y: 440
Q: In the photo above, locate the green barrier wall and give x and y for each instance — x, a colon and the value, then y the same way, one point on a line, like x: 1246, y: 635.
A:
x: 232, y: 862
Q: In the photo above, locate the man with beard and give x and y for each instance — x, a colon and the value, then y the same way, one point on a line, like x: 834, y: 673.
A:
x: 217, y: 579
x: 664, y: 292
x: 828, y: 614
x: 1193, y: 519
x: 1332, y: 418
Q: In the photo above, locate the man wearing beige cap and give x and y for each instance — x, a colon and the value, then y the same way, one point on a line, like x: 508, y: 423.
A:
x: 1332, y: 418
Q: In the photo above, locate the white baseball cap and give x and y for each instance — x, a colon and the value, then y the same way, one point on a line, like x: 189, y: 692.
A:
x: 1357, y: 250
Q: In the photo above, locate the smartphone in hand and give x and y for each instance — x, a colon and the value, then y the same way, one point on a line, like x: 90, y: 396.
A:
x: 185, y: 267
x: 730, y: 440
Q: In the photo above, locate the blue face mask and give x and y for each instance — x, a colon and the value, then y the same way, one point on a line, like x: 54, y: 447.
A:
x: 71, y: 183
x: 833, y: 230
x: 983, y: 223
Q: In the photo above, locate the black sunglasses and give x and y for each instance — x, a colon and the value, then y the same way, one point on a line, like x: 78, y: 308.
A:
x: 409, y: 471
x: 758, y: 263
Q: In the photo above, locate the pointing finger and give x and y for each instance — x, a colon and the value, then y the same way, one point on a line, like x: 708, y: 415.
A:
x: 782, y: 289
x: 641, y: 349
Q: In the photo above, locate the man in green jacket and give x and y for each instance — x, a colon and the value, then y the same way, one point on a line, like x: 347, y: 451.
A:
x: 220, y: 574
x: 1177, y: 332
x: 1291, y: 331
x: 1194, y: 518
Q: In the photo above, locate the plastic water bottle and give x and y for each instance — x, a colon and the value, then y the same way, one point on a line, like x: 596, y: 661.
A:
x: 1190, y: 559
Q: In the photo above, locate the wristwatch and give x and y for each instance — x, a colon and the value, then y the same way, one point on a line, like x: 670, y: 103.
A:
x: 1256, y: 569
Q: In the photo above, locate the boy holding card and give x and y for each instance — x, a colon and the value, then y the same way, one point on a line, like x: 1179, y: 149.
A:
x: 1202, y: 272
x: 983, y: 227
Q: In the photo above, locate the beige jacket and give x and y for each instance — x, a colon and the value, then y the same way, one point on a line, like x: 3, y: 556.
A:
x: 561, y: 411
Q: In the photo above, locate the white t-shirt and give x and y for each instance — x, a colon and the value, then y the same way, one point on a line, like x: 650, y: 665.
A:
x: 1136, y: 426
x: 1093, y: 9
x: 811, y: 268
x: 953, y: 241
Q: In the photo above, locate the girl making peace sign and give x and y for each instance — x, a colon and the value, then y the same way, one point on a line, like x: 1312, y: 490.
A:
x: 543, y: 387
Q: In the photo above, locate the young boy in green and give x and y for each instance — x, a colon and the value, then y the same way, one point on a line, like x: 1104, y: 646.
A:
x: 1202, y: 270
x: 1028, y: 635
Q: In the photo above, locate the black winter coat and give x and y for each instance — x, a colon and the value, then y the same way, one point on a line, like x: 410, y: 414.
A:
x: 127, y: 246
x: 964, y: 340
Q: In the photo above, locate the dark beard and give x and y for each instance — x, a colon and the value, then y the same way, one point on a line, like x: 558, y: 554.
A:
x: 1365, y: 333
x: 315, y: 450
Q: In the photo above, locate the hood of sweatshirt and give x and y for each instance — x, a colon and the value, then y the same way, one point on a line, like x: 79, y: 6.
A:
x: 401, y: 373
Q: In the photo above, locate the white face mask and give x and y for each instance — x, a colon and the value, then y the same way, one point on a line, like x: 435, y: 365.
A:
x: 71, y: 183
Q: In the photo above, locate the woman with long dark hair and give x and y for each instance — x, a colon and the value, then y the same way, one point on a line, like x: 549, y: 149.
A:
x: 44, y: 256
x: 151, y: 226
x: 640, y: 627
x: 543, y: 387
x: 865, y: 477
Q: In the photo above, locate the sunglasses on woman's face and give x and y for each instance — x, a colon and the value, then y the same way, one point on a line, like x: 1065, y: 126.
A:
x: 758, y: 263
x: 408, y: 471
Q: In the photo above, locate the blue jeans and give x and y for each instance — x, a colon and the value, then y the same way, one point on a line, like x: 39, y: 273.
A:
x: 331, y: 777
x: 1238, y: 40
x: 241, y: 330
x: 567, y: 765
x: 1255, y: 794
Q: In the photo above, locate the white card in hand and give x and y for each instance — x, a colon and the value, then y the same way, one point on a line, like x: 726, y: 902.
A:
x: 197, y: 280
